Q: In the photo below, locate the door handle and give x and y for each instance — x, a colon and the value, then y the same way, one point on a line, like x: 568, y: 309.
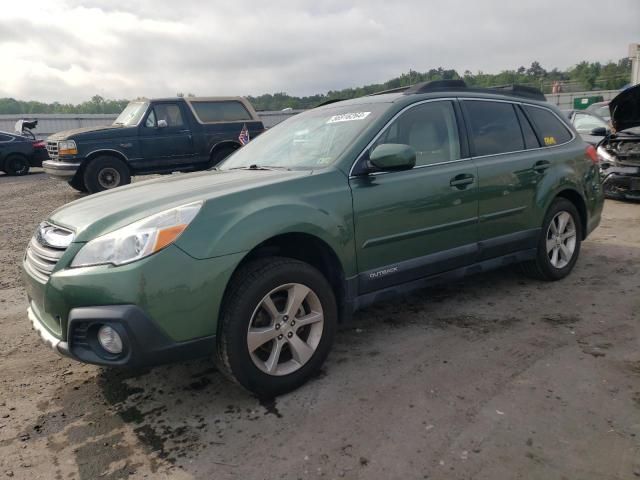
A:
x: 462, y: 181
x: 541, y: 165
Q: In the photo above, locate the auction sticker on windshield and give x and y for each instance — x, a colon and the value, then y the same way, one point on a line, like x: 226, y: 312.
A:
x: 348, y: 117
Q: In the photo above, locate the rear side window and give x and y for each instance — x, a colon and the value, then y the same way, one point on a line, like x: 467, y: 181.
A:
x: 5, y: 138
x: 494, y: 127
x: 550, y: 128
x: 530, y: 139
x: 228, y: 111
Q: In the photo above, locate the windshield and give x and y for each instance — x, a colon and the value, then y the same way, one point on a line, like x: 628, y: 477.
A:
x: 602, y: 111
x: 309, y: 140
x: 131, y: 114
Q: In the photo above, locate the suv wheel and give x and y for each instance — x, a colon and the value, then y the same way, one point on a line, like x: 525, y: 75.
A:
x: 559, y: 244
x: 16, y: 165
x: 220, y: 155
x: 277, y: 325
x: 77, y: 183
x: 105, y: 173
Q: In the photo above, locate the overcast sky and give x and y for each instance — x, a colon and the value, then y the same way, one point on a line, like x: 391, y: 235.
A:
x: 69, y: 50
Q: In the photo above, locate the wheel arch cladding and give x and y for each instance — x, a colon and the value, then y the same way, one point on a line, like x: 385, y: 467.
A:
x: 306, y: 248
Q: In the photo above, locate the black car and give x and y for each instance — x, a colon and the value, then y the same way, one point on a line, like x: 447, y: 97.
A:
x: 19, y: 153
x: 591, y: 128
x: 619, y: 152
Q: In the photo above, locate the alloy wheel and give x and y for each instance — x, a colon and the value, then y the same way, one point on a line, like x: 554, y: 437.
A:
x: 561, y: 239
x: 285, y: 329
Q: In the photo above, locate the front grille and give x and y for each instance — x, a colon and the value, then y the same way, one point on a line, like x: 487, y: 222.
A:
x: 52, y: 149
x: 41, y: 257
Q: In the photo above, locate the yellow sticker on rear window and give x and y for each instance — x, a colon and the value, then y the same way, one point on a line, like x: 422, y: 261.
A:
x: 550, y: 140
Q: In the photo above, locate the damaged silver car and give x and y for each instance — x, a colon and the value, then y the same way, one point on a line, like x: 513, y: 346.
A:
x: 619, y: 151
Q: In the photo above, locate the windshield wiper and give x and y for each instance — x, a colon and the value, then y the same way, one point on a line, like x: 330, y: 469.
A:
x: 259, y: 167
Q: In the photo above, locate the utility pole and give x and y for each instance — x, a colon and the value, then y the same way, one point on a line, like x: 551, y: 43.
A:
x: 634, y: 55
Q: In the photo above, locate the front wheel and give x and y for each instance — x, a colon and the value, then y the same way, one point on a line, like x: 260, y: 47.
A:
x: 105, y: 173
x: 77, y: 183
x: 277, y: 325
x: 559, y: 244
x: 16, y: 165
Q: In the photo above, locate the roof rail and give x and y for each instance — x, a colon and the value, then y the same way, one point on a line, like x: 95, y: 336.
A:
x: 435, y: 85
x: 329, y: 102
x: 520, y: 91
x: 391, y: 90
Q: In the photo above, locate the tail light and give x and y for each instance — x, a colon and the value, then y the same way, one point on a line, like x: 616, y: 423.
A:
x: 591, y: 154
x: 39, y: 144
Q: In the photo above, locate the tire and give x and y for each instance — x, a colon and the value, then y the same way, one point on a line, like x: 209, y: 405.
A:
x: 550, y: 266
x: 16, y: 165
x: 302, y: 347
x: 105, y: 173
x: 220, y: 155
x: 77, y: 183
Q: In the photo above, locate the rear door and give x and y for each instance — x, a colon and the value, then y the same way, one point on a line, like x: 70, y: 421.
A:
x: 510, y: 166
x: 414, y: 223
x: 165, y: 136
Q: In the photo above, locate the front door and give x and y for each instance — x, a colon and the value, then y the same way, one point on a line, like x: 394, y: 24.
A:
x: 165, y: 137
x: 423, y: 221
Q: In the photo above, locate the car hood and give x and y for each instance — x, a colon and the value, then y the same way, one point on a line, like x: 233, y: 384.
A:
x: 625, y: 109
x: 104, y: 212
x: 85, y: 132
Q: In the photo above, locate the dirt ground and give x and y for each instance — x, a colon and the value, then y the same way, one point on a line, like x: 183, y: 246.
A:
x: 494, y: 377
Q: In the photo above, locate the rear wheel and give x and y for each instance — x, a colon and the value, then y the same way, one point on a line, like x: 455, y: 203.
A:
x: 105, y: 173
x: 559, y: 244
x: 277, y: 325
x: 16, y: 165
x: 220, y: 154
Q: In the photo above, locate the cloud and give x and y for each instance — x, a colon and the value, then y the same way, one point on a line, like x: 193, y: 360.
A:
x: 69, y: 50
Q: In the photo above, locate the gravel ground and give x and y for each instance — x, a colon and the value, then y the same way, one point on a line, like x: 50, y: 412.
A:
x: 493, y: 377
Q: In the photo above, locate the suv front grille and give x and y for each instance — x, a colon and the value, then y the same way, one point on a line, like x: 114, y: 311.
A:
x: 52, y: 149
x: 41, y: 258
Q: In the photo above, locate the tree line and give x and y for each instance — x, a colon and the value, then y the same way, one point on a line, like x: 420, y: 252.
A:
x: 583, y: 76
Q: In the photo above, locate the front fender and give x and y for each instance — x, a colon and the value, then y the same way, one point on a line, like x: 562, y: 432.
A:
x: 318, y: 204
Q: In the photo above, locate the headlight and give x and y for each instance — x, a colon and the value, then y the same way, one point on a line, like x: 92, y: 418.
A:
x: 604, y: 156
x: 67, y: 147
x: 138, y: 240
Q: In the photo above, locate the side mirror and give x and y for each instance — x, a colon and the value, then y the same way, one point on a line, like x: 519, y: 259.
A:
x: 393, y: 156
x: 598, y: 132
x: 162, y: 123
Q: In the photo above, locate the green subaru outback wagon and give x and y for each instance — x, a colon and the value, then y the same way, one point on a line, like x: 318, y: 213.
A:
x: 258, y: 261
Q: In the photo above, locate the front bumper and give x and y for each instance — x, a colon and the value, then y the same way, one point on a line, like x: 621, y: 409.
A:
x: 621, y: 182
x: 166, y: 305
x: 45, y: 335
x: 61, y: 169
x: 144, y: 343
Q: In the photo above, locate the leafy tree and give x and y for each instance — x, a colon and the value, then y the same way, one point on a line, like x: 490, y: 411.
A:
x: 582, y: 76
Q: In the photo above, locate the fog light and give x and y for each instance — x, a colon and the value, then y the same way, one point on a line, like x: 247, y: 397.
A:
x: 110, y: 340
